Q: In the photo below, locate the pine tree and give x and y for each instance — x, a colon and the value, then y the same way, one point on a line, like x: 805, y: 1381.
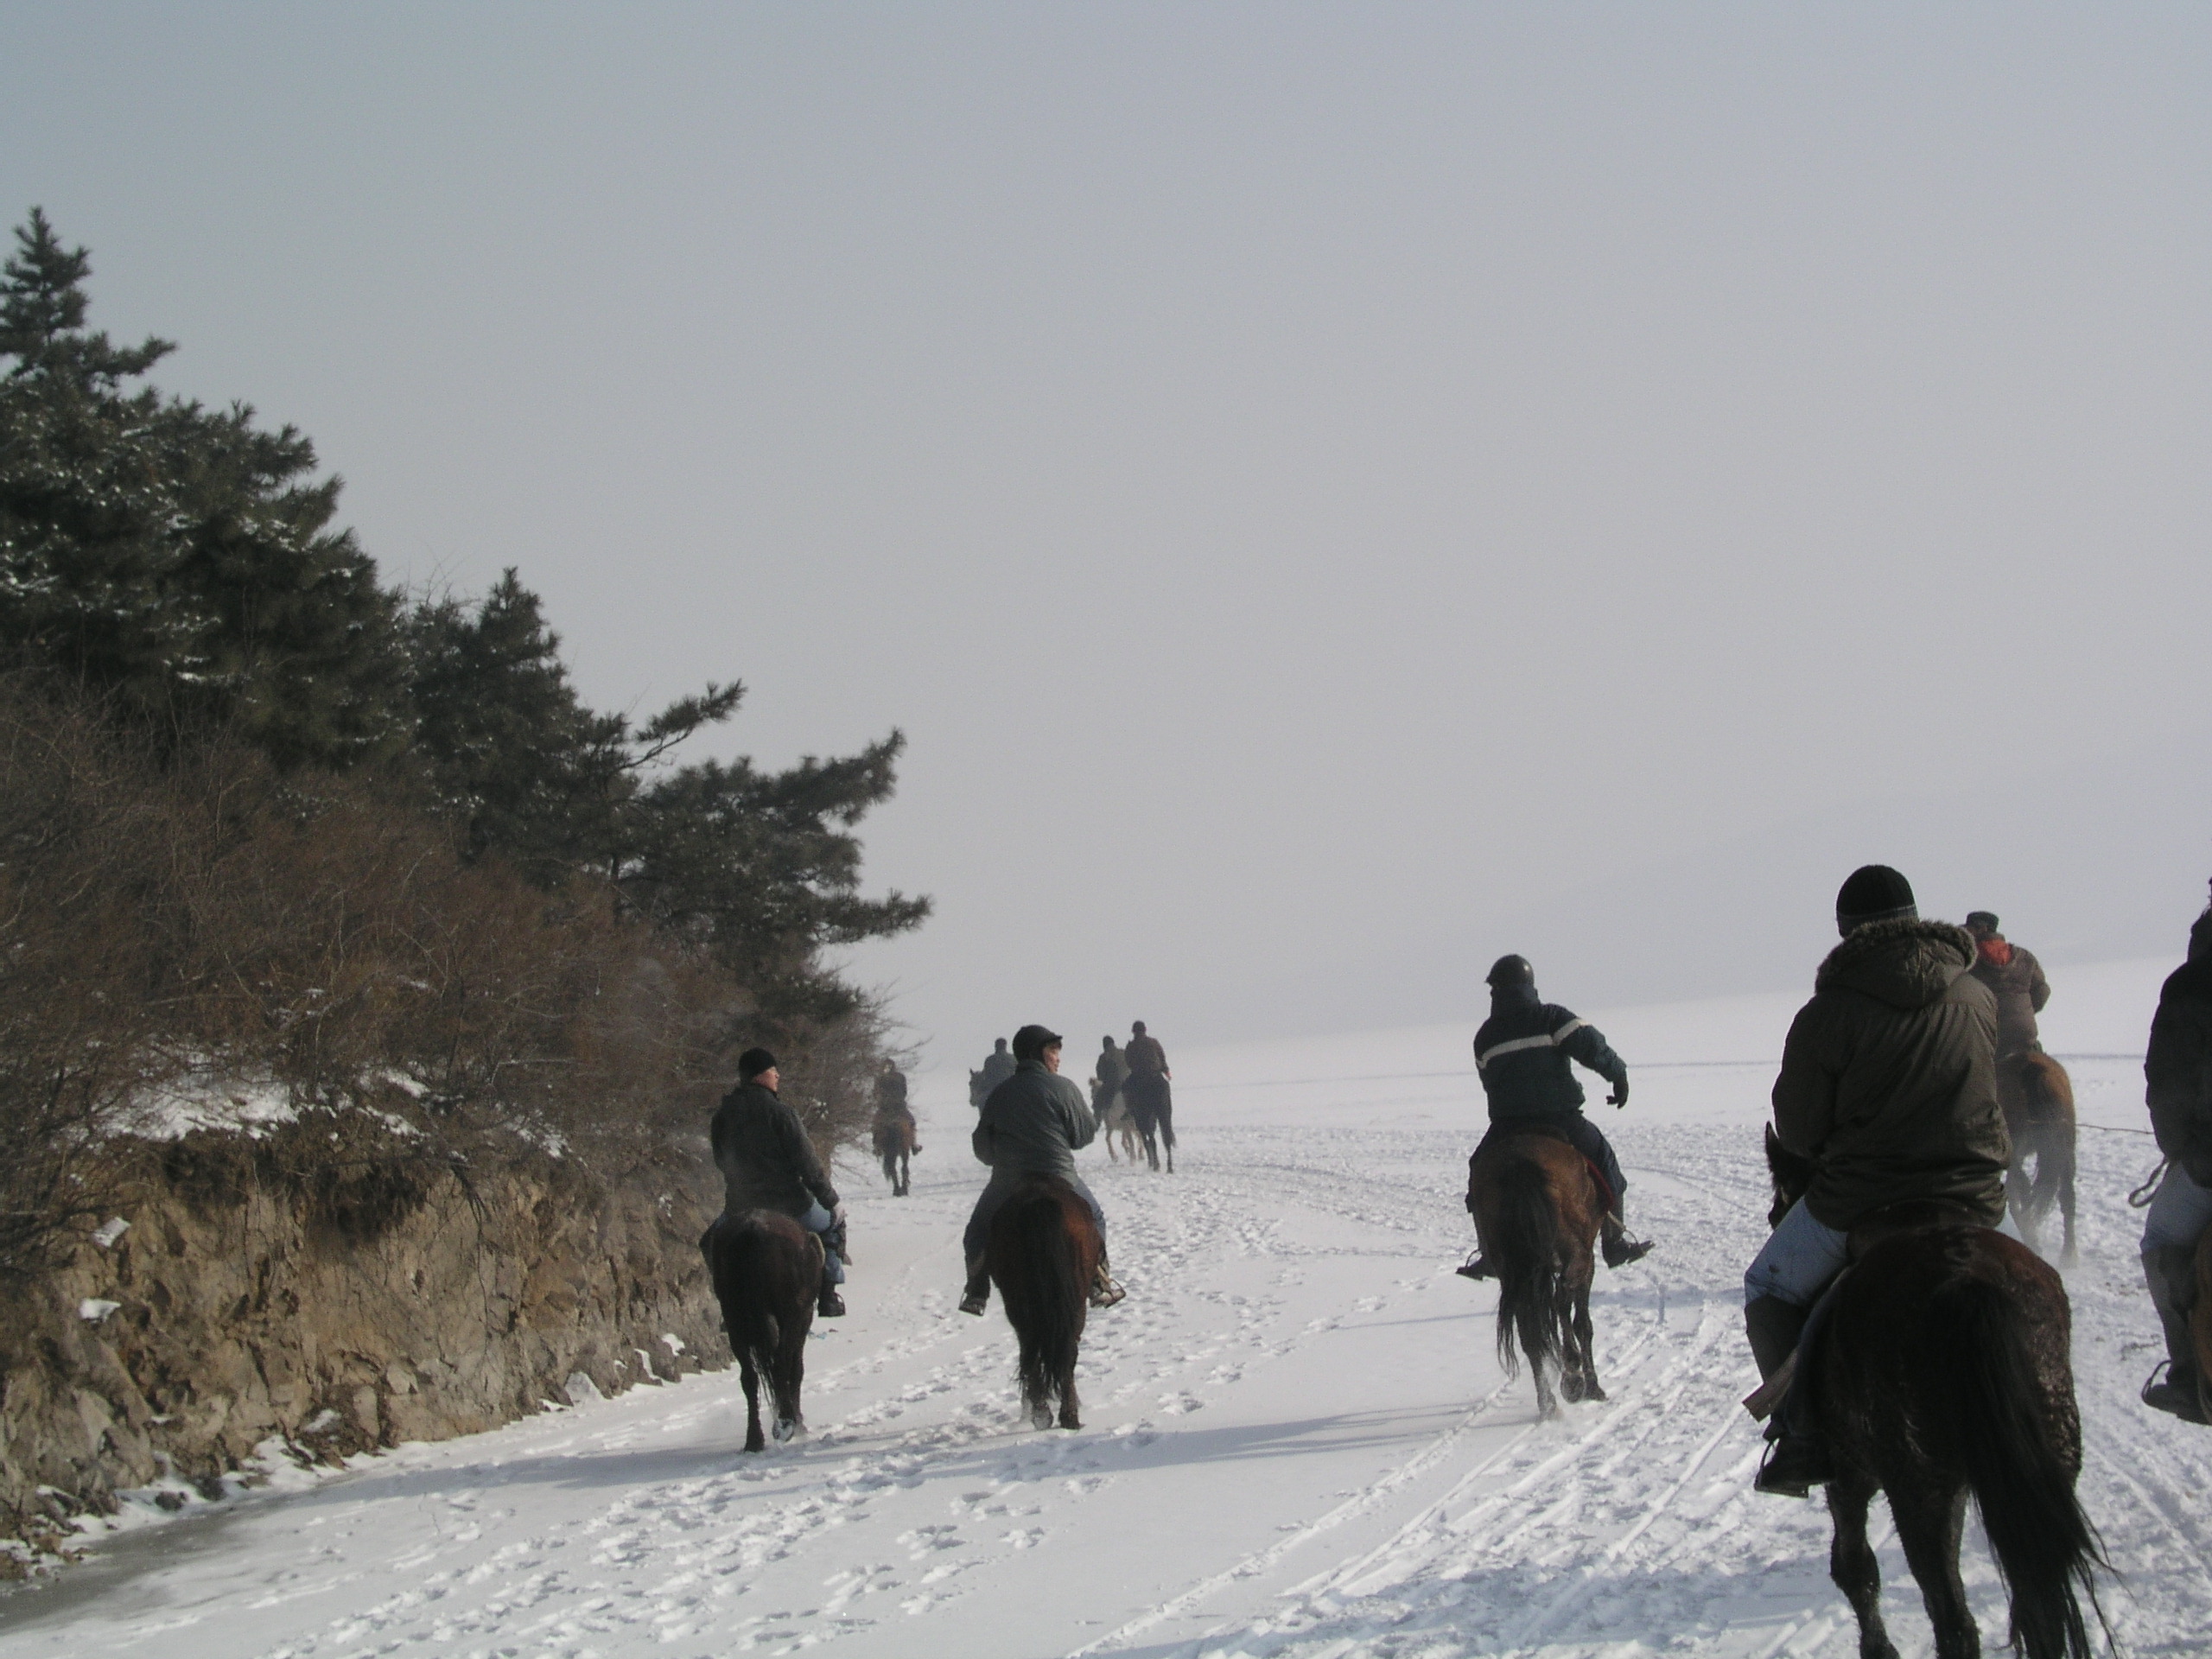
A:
x: 181, y: 558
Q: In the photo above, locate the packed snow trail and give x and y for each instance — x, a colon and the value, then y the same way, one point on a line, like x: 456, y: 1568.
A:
x: 1297, y: 1442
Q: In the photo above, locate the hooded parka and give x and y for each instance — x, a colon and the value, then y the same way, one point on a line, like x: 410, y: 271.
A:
x: 1888, y: 1078
x: 2177, y: 1065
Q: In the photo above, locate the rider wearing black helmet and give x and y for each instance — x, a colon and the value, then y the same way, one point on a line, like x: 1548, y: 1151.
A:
x: 1522, y: 1054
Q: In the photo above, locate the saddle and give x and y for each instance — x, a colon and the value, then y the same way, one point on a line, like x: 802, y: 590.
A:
x: 1606, y: 1197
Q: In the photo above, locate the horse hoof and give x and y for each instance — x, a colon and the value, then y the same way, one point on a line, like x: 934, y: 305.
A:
x: 1041, y: 1416
x: 1594, y: 1392
x: 784, y: 1428
x: 1570, y: 1388
x: 1069, y: 1420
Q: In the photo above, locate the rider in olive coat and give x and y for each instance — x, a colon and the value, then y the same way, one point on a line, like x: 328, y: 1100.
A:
x: 1889, y: 1085
x: 768, y: 1162
x: 2178, y: 1078
x: 1031, y: 1125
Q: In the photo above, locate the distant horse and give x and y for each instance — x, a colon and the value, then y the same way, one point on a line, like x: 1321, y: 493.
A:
x: 2038, y: 1098
x: 895, y: 1145
x: 1152, y: 1110
x: 1537, y: 1210
x: 1043, y: 1250
x: 1941, y: 1370
x: 768, y: 1272
x: 1115, y: 1123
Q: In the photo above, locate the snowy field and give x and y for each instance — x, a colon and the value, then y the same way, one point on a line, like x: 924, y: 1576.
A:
x: 1297, y: 1443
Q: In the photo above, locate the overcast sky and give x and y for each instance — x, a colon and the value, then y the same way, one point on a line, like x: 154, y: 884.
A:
x: 1330, y: 493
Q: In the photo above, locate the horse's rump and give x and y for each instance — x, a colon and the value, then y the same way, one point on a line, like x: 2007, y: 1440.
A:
x: 1042, y: 1252
x: 2033, y: 1091
x: 894, y: 1134
x: 1146, y: 1094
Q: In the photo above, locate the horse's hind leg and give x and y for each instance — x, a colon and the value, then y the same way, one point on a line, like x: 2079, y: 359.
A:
x: 1852, y: 1563
x: 2066, y: 1202
x: 789, y: 1370
x: 1584, y: 1345
x: 1929, y: 1521
x: 750, y: 1374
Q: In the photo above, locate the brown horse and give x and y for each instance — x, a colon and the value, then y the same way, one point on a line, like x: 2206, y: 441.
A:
x: 1537, y: 1210
x: 2038, y: 1098
x: 767, y: 1271
x: 1942, y: 1370
x: 1043, y: 1250
x: 2200, y: 1323
x: 896, y: 1144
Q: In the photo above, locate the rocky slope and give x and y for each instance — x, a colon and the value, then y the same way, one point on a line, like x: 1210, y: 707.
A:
x: 330, y: 1290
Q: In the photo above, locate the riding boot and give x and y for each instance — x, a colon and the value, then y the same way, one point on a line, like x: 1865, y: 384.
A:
x: 830, y: 1305
x: 1618, y: 1249
x: 1475, y: 1266
x: 1104, y: 1292
x: 2171, y: 1273
x: 1796, y: 1460
x: 977, y: 1296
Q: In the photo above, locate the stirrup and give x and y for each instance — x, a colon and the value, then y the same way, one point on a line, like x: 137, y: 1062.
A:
x: 976, y: 1299
x: 2172, y: 1395
x: 1619, y: 1250
x: 1104, y: 1292
x: 1475, y: 1266
x: 1795, y: 1464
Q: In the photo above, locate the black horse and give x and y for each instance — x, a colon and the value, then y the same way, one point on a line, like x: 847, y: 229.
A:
x: 896, y: 1145
x: 1941, y: 1370
x: 767, y: 1272
x: 1043, y: 1252
x: 1151, y: 1100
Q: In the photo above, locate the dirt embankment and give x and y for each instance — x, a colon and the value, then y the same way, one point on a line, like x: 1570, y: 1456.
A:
x: 270, y: 1288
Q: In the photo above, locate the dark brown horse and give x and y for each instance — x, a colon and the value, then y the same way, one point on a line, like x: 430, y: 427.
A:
x: 1537, y: 1210
x: 1942, y: 1371
x: 767, y: 1271
x: 896, y: 1143
x: 2200, y: 1323
x: 2037, y: 1097
x: 1151, y: 1102
x: 1043, y: 1250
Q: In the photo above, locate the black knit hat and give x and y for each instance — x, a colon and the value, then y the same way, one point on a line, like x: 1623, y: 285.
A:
x: 753, y: 1063
x: 1509, y: 971
x: 1985, y: 921
x: 1874, y: 893
x: 1031, y: 1042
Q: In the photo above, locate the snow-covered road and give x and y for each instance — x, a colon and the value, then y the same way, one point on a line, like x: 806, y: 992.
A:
x: 1297, y: 1442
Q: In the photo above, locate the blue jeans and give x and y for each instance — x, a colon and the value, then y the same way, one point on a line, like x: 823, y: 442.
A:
x: 1800, y: 1256
x: 819, y: 1220
x: 2178, y: 1214
x: 979, y: 1225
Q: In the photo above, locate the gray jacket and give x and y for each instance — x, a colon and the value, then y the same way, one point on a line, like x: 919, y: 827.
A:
x: 1032, y: 1123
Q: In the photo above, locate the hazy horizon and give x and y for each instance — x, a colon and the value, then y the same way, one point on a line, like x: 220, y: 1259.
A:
x: 1330, y: 496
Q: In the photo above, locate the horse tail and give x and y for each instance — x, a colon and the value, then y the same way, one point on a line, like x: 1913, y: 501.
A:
x: 2002, y: 1423
x: 1034, y: 1257
x: 1525, y: 1250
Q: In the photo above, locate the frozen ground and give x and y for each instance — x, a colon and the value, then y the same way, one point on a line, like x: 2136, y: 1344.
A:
x: 1297, y: 1444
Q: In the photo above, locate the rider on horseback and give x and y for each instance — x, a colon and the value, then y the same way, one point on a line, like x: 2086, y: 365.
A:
x: 1888, y: 1084
x: 2015, y: 976
x: 768, y: 1163
x: 1522, y: 1054
x: 2177, y: 1074
x: 891, y: 1106
x: 1031, y: 1125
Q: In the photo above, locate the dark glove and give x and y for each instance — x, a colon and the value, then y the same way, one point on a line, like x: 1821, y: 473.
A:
x: 1619, y: 1096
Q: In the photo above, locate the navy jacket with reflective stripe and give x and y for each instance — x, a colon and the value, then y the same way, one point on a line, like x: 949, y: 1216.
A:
x: 1522, y: 1052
